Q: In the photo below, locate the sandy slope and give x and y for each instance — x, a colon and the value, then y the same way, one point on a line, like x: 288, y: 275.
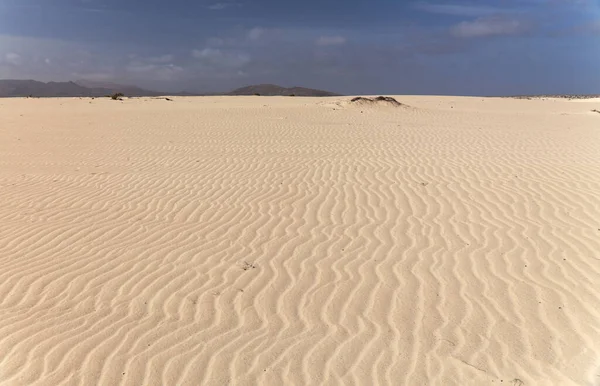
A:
x: 279, y: 241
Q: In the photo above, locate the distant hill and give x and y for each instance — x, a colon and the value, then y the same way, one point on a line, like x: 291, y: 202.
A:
x: 561, y: 96
x: 23, y: 88
x: 90, y: 88
x: 112, y: 88
x: 274, y: 90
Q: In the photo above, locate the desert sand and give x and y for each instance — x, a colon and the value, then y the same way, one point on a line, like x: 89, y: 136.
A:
x: 299, y: 241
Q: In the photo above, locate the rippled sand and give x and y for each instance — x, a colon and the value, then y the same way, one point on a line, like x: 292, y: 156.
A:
x: 280, y: 241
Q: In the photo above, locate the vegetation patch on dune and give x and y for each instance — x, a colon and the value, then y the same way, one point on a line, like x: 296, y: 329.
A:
x: 380, y: 100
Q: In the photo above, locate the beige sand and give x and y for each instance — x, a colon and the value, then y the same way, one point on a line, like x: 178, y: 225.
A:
x: 280, y: 241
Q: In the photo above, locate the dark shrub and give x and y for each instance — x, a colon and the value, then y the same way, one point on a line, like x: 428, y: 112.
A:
x: 379, y: 99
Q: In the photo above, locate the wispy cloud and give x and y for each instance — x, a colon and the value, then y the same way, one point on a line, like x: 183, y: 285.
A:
x: 159, y: 72
x: 217, y: 57
x: 489, y: 26
x: 262, y: 36
x: 330, y: 40
x: 592, y: 28
x: 223, y: 5
x: 13, y: 58
x: 570, y: 2
x: 256, y: 33
x: 221, y: 41
x: 457, y: 9
x: 161, y: 59
x: 158, y: 67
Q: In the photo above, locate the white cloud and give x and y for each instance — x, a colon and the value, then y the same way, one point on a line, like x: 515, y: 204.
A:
x: 216, y: 41
x: 217, y: 57
x: 217, y: 6
x: 595, y: 26
x: 330, y: 40
x: 457, y: 9
x: 157, y: 71
x: 223, y: 5
x: 207, y: 53
x: 591, y: 27
x: 48, y: 59
x: 161, y: 59
x: 221, y: 42
x: 571, y: 2
x: 12, y: 58
x: 488, y: 26
x: 256, y: 33
x: 96, y: 76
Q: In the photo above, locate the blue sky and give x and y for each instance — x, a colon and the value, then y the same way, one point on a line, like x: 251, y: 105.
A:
x: 461, y: 47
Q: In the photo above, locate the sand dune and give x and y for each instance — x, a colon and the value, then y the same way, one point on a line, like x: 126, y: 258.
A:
x: 280, y: 241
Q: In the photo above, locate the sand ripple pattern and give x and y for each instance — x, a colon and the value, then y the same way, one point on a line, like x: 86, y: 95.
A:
x: 291, y: 241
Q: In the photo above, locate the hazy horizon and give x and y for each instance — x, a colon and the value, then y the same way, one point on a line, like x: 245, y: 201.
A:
x: 408, y: 47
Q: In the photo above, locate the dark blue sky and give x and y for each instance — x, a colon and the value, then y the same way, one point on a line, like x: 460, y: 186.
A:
x: 379, y: 46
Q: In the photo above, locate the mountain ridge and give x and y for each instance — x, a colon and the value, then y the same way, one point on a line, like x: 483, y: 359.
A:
x: 89, y: 88
x: 275, y: 90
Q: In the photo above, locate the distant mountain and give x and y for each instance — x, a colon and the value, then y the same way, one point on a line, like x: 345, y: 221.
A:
x: 23, y: 88
x: 112, y: 88
x: 20, y: 88
x: 274, y: 90
x: 90, y: 88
